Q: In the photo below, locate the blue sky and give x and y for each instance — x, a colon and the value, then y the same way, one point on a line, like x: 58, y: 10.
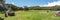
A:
x: 30, y: 2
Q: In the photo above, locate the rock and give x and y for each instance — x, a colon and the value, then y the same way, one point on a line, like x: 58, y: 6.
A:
x: 11, y: 14
x: 6, y: 15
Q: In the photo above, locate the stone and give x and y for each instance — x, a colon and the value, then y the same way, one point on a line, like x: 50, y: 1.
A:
x: 6, y: 15
x: 11, y: 14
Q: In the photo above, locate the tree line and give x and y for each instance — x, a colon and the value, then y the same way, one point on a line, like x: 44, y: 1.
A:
x: 34, y: 7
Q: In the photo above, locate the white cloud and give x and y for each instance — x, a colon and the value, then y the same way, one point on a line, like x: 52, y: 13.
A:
x: 52, y: 3
x: 9, y: 3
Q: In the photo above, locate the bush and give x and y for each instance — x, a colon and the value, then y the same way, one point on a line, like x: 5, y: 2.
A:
x: 1, y: 18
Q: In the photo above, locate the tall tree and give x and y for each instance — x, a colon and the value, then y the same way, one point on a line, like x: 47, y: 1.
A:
x: 26, y: 8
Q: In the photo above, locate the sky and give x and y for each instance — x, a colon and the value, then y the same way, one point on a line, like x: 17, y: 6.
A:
x: 33, y: 2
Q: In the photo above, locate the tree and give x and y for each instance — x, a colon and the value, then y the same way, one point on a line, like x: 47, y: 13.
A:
x: 20, y: 8
x: 34, y: 7
x: 1, y: 0
x: 13, y: 7
x: 26, y: 8
x: 2, y: 8
x: 56, y: 7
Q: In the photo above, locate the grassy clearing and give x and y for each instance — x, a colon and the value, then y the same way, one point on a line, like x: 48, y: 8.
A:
x: 34, y: 15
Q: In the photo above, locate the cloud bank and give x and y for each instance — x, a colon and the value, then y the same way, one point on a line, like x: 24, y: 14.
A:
x: 52, y: 3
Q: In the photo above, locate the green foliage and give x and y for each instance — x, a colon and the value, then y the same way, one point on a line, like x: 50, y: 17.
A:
x: 1, y: 0
x: 26, y: 8
x: 56, y: 7
x: 34, y: 8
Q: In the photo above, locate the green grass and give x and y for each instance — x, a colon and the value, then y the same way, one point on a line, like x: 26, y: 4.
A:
x: 34, y: 15
x: 1, y: 14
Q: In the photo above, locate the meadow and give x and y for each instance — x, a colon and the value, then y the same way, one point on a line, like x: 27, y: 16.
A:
x: 33, y: 15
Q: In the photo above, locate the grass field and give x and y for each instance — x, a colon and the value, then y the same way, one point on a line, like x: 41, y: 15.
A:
x: 34, y: 15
